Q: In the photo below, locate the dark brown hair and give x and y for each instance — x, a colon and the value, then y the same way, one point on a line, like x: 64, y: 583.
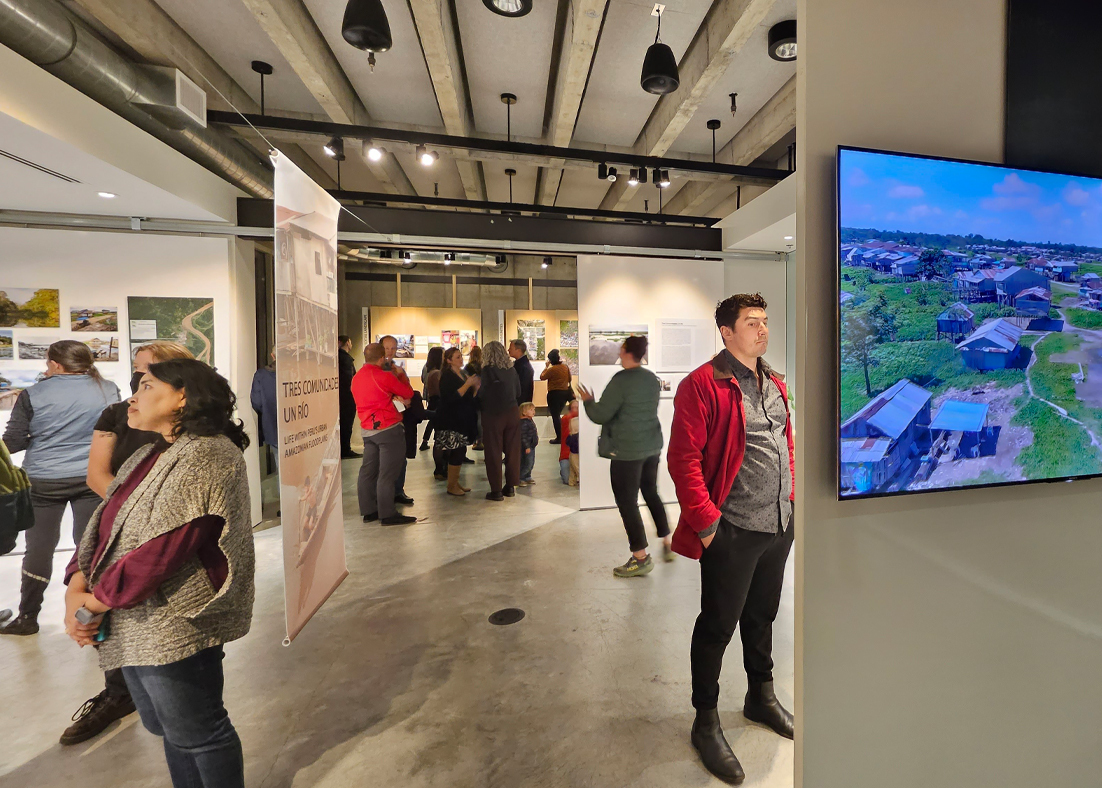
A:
x: 210, y: 402
x: 75, y: 358
x: 729, y: 309
x: 451, y: 352
x: 636, y: 347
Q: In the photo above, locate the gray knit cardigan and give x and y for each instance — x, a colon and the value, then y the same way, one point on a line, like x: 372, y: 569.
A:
x: 195, y: 477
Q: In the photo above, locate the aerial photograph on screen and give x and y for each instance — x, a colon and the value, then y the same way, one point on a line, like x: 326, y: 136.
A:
x: 970, y: 319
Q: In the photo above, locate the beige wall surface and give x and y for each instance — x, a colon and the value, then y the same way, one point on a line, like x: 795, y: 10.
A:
x: 551, y: 320
x: 949, y: 639
x: 419, y: 321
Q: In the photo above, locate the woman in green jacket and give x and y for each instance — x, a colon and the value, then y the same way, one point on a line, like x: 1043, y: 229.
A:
x: 631, y: 438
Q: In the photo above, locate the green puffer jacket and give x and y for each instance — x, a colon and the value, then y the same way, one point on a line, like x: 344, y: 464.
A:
x: 628, y: 414
x: 16, y: 513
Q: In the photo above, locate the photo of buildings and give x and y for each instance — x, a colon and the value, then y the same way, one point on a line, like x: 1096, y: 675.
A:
x: 967, y: 358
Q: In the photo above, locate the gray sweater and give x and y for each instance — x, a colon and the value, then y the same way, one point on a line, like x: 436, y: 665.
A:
x: 194, y: 477
x: 53, y: 421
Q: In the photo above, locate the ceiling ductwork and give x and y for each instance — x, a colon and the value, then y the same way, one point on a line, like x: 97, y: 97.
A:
x: 161, y: 101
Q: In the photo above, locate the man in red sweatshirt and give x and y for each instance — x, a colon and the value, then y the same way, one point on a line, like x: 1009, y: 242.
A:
x: 732, y: 462
x: 375, y: 390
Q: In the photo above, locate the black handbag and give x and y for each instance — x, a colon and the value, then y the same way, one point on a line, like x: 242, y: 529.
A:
x: 16, y: 511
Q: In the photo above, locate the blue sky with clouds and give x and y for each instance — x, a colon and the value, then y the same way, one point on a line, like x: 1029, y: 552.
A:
x: 890, y: 192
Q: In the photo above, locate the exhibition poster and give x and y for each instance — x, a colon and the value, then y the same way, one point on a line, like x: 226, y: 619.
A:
x: 7, y: 350
x: 307, y: 386
x: 467, y: 340
x: 35, y: 347
x: 449, y: 339
x: 405, y: 344
x: 13, y: 381
x: 568, y: 334
x: 103, y: 349
x: 189, y: 321
x: 605, y: 342
x: 683, y: 345
x: 28, y: 307
x: 104, y: 319
x: 534, y: 334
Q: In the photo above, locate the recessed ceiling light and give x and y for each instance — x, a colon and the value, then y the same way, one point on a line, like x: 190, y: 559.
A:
x: 788, y: 238
x: 107, y: 195
x: 374, y: 154
x: 425, y: 156
x: 513, y: 8
x: 782, y: 41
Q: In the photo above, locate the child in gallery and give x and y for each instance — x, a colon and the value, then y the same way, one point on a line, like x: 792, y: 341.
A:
x: 564, y: 449
x: 572, y: 444
x: 529, y: 438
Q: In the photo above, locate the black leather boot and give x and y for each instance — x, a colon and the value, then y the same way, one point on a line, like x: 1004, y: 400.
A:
x: 715, y: 752
x: 762, y: 706
x: 31, y: 592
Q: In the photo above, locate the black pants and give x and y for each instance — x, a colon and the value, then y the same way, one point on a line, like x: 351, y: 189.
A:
x: 430, y: 413
x: 556, y: 401
x: 628, y: 478
x: 49, y: 498
x: 741, y: 573
x: 348, y: 423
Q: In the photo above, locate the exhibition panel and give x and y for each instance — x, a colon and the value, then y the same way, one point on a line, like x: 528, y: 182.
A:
x: 672, y: 303
x: 115, y: 291
x: 417, y: 329
x: 544, y: 330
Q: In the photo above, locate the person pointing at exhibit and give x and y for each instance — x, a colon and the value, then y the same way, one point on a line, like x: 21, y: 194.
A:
x: 731, y: 458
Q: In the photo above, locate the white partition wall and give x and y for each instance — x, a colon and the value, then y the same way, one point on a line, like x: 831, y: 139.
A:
x: 949, y: 639
x: 674, y: 301
x: 97, y: 269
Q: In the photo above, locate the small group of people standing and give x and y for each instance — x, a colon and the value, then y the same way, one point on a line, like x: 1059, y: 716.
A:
x: 163, y: 572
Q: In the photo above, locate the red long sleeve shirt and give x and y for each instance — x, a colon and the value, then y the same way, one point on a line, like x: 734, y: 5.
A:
x: 374, y: 390
x: 137, y: 575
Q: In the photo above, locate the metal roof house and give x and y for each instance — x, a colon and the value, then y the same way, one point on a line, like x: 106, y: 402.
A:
x: 1033, y: 302
x: 956, y: 322
x: 996, y: 284
x: 878, y: 439
x: 993, y: 345
x: 960, y: 430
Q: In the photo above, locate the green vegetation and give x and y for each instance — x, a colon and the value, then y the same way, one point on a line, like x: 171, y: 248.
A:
x: 1084, y: 318
x: 1059, y: 448
x: 941, y: 241
x: 988, y: 476
x: 1029, y: 340
x: 1063, y: 298
x: 39, y: 311
x: 1051, y: 380
x: 1090, y: 268
x: 171, y: 313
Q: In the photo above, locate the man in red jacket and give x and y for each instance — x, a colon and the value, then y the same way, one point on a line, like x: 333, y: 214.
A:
x: 731, y: 459
x: 375, y: 390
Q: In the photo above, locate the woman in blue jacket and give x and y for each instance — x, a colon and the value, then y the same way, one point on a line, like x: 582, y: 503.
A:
x: 53, y: 422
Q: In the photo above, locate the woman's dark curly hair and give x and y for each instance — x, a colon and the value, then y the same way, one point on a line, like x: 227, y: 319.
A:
x: 210, y: 400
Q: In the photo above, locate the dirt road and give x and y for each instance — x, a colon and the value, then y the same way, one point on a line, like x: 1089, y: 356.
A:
x: 205, y: 354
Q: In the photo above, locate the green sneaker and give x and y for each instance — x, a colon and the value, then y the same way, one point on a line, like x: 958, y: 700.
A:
x: 634, y: 567
x: 667, y: 553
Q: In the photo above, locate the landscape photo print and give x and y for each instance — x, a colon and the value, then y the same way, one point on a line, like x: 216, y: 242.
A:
x: 970, y: 320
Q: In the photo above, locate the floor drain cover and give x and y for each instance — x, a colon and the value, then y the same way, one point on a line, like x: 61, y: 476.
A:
x: 509, y: 615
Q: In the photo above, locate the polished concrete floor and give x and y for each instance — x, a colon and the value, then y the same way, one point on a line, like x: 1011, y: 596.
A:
x: 401, y: 681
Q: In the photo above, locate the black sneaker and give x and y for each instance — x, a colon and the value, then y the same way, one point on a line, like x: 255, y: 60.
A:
x: 634, y: 567
x: 468, y: 461
x: 493, y: 496
x: 370, y: 518
x: 405, y: 500
x: 21, y: 625
x: 398, y: 519
x: 509, y: 491
x: 95, y: 715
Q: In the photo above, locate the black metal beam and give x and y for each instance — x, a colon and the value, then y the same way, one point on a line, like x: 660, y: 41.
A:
x: 496, y: 227
x: 434, y: 140
x: 429, y: 279
x: 514, y: 208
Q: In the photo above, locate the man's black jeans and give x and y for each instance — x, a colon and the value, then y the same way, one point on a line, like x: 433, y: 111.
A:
x: 741, y: 573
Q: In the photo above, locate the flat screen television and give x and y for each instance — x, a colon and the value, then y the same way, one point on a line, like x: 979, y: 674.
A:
x: 970, y: 323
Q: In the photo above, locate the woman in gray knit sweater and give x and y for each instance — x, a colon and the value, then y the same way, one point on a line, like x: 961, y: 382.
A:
x: 166, y: 569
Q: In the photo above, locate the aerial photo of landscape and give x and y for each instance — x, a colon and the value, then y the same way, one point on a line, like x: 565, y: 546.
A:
x: 970, y: 302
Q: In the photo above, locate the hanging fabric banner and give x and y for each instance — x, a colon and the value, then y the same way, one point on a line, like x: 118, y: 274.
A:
x: 307, y: 392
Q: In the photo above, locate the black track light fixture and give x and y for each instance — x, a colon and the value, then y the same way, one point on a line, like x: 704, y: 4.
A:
x: 659, y: 66
x: 547, y: 261
x: 782, y: 41
x: 426, y: 157
x: 449, y: 258
x: 662, y: 179
x: 334, y: 149
x: 366, y: 27
x: 510, y: 8
x: 642, y: 175
x: 602, y: 172
x: 633, y: 177
x: 611, y: 177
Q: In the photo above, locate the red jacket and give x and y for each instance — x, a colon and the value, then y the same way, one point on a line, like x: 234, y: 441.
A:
x: 374, y: 390
x: 707, y: 444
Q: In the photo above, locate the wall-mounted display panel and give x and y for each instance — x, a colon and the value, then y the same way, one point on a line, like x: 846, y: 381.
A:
x: 422, y: 328
x: 544, y: 330
x: 970, y: 298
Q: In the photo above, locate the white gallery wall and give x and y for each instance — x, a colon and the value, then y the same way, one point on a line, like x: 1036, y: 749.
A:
x: 103, y: 269
x: 955, y: 638
x: 656, y: 294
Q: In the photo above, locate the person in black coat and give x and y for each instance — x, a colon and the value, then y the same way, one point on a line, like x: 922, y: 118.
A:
x: 456, y: 418
x: 346, y: 370
x: 497, y: 397
x: 518, y: 351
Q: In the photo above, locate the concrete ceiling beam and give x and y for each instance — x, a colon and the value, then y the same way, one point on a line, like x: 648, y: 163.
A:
x: 289, y: 24
x: 437, y: 29
x: 761, y: 132
x: 728, y: 25
x: 577, y: 49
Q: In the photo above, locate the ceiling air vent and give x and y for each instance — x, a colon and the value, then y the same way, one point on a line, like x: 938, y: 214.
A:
x: 173, y: 99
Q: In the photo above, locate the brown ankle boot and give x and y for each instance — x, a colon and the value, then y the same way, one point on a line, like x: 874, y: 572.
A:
x: 453, y: 481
